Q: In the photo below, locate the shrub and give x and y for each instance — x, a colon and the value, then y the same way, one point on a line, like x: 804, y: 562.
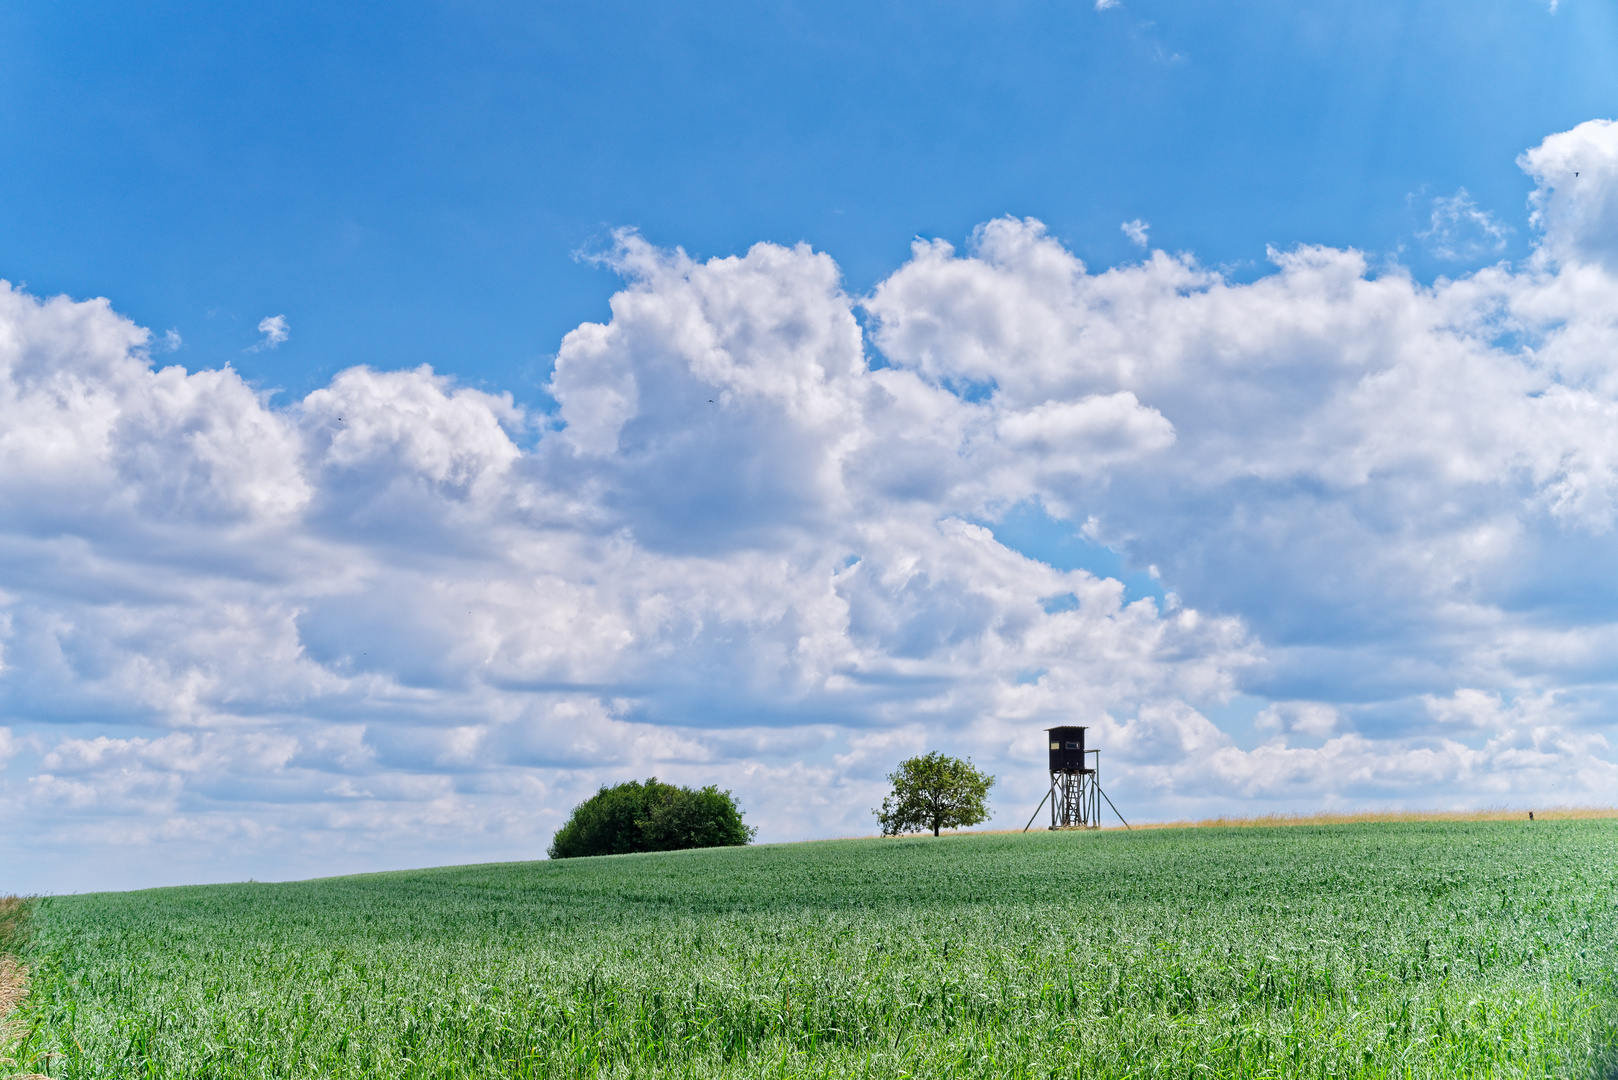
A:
x: 651, y: 816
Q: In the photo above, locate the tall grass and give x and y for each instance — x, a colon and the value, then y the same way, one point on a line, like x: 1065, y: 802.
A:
x: 14, y: 912
x: 1405, y: 949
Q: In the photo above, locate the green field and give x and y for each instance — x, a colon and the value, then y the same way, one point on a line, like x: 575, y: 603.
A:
x: 1413, y: 949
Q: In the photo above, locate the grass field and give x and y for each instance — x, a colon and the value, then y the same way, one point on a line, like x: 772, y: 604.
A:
x: 1413, y: 949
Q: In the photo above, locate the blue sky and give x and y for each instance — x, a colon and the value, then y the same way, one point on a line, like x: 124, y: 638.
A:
x: 489, y: 402
x: 409, y: 183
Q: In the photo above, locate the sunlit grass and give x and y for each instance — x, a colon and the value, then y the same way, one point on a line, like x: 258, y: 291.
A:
x: 1410, y: 949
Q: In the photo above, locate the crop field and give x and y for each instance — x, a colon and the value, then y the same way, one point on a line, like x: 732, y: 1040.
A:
x: 1407, y: 949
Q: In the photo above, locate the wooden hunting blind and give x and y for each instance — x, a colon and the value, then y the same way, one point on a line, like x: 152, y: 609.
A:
x: 1067, y: 749
x: 1075, y: 793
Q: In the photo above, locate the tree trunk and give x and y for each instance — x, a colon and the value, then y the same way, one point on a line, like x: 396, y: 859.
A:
x: 935, y: 826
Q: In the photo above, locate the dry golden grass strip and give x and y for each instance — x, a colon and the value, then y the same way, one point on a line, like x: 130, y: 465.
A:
x: 1346, y: 817
x: 14, y: 911
x: 1355, y: 817
x: 13, y: 988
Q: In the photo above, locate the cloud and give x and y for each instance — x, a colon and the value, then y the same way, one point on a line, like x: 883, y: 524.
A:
x: 403, y: 621
x: 1135, y: 230
x: 275, y: 331
x: 1104, y: 5
x: 1302, y: 717
x: 1575, y: 199
x: 1459, y: 231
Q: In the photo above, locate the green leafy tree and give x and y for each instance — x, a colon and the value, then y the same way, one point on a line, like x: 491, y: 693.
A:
x: 650, y: 816
x: 934, y: 792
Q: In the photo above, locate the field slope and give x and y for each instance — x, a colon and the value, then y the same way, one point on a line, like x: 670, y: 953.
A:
x: 1411, y: 949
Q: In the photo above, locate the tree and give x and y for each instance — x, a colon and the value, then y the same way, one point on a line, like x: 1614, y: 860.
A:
x: 934, y: 792
x: 650, y: 816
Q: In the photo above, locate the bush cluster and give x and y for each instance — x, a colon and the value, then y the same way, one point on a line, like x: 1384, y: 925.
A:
x: 650, y: 816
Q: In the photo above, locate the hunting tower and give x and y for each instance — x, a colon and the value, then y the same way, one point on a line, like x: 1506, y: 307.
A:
x: 1075, y: 793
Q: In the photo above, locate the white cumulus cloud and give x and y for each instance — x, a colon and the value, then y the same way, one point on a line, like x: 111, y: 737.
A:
x: 275, y: 331
x: 403, y: 621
